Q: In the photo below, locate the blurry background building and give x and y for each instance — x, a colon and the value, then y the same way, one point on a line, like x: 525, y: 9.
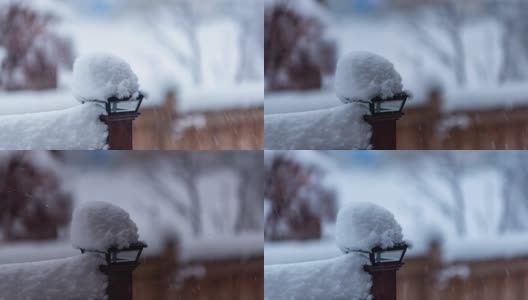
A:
x: 200, y: 213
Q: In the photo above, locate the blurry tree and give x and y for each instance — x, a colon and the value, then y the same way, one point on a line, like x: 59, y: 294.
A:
x: 514, y: 169
x: 298, y: 201
x: 248, y: 14
x: 30, y: 51
x: 447, y: 16
x: 447, y: 170
x: 513, y: 16
x: 298, y: 51
x: 188, y: 167
x: 33, y: 205
x: 186, y: 16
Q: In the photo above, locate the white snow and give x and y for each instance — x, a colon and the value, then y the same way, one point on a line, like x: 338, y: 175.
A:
x: 20, y: 252
x: 288, y: 102
x: 76, y: 277
x: 338, y: 278
x: 364, y: 75
x: 363, y: 226
x: 486, y: 97
x: 24, y: 102
x: 100, y: 225
x: 244, y: 245
x: 244, y: 95
x: 335, y: 128
x: 100, y: 76
x: 490, y: 247
x: 300, y: 251
x: 73, y: 128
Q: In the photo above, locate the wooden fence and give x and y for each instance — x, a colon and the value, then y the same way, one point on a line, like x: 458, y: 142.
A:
x: 427, y: 127
x: 427, y: 278
x: 162, y: 128
x: 163, y: 278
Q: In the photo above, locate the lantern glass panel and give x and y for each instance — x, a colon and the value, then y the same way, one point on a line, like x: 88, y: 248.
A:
x: 124, y: 256
x: 386, y: 256
x: 387, y: 106
x: 123, y: 106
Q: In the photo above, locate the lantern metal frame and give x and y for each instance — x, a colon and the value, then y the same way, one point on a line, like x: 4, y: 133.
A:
x: 378, y: 250
x: 110, y: 254
x: 375, y: 103
x: 112, y: 102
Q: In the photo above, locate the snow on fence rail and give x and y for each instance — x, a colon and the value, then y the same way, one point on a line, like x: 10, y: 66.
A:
x: 372, y: 92
x: 76, y: 128
x: 366, y: 233
x: 101, y: 231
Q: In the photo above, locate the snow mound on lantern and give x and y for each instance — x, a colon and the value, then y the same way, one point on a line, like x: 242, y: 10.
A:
x: 364, y: 75
x: 99, y: 225
x: 365, y: 226
x: 337, y: 278
x: 101, y: 76
x: 76, y: 277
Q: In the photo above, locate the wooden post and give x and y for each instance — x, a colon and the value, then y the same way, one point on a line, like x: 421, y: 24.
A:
x: 383, y: 130
x: 119, y: 280
x: 384, y: 280
x: 120, y: 129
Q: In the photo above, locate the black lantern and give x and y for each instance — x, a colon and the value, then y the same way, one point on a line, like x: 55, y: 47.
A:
x: 115, y: 256
x: 114, y: 105
x: 381, y: 256
x: 378, y: 105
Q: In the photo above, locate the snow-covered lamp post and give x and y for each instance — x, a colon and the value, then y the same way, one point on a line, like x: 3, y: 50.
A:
x: 109, y: 81
x: 371, y: 80
x: 371, y: 231
x: 105, y: 230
